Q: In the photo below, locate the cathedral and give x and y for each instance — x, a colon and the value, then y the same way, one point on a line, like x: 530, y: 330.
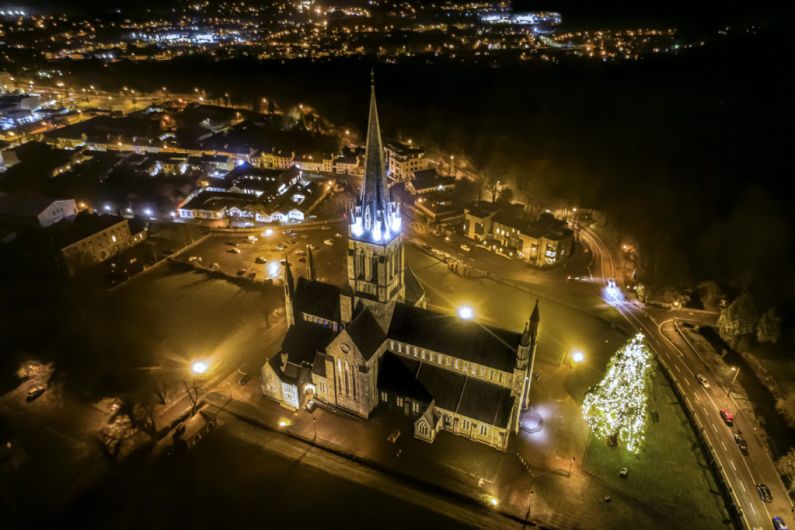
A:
x: 372, y: 343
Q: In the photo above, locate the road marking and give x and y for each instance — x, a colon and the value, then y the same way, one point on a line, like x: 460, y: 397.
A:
x: 724, y: 447
x: 753, y: 509
x: 742, y: 485
x: 732, y: 464
x: 676, y: 367
x: 714, y: 428
x: 687, y: 381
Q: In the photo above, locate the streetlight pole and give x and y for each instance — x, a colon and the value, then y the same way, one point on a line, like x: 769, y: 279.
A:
x: 736, y: 373
x: 314, y: 423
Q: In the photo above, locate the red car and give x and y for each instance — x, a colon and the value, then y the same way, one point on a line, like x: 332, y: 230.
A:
x: 727, y: 416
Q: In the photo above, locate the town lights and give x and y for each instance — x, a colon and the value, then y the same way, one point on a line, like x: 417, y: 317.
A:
x: 199, y: 367
x: 577, y: 357
x: 283, y: 422
x: 465, y: 312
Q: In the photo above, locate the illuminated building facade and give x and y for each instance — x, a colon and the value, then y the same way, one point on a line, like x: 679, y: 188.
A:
x: 371, y: 344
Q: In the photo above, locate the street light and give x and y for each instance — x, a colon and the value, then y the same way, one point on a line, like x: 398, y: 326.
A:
x: 465, y: 312
x: 736, y: 373
x: 578, y: 357
x: 199, y: 367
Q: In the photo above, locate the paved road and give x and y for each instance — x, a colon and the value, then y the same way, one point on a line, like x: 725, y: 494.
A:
x: 742, y: 472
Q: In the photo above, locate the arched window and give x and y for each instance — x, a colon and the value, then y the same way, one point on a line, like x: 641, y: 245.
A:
x: 347, y: 379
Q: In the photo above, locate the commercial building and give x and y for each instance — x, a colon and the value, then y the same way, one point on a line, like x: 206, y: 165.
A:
x: 541, y: 242
x: 371, y: 343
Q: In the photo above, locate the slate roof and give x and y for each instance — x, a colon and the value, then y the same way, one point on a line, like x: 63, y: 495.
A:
x: 467, y: 396
x: 84, y: 225
x: 397, y: 377
x: 366, y: 333
x: 304, y: 340
x: 24, y: 205
x: 318, y: 298
x: 486, y: 402
x: 465, y: 339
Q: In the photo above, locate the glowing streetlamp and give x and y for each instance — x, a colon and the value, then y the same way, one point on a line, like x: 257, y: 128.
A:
x: 199, y: 367
x: 465, y: 312
x: 736, y: 373
x: 578, y: 357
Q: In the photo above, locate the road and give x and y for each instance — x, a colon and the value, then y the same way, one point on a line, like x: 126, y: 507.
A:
x: 742, y: 472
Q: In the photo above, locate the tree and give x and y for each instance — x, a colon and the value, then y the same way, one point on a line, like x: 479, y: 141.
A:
x: 709, y: 293
x: 768, y: 329
x: 616, y: 408
x: 738, y: 319
x: 786, y: 467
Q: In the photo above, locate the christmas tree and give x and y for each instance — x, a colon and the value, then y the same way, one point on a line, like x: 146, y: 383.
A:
x: 616, y: 408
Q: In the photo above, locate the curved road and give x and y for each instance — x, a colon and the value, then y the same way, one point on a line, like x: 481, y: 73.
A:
x: 741, y: 472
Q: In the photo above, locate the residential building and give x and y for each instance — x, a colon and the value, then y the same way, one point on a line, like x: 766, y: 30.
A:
x: 403, y: 160
x: 36, y: 210
x: 92, y: 239
x: 371, y: 343
x: 427, y: 181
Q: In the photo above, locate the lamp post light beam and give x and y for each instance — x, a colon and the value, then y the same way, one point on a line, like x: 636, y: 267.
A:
x: 736, y: 373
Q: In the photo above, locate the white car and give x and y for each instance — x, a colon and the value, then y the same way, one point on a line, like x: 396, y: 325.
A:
x: 466, y: 248
x: 702, y: 380
x: 328, y: 242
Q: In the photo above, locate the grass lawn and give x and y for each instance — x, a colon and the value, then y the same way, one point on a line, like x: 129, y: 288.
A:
x: 670, y: 474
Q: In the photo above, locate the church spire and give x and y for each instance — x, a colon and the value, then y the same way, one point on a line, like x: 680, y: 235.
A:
x: 375, y: 213
x: 311, y: 272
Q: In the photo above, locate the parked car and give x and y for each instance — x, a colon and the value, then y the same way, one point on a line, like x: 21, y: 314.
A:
x: 727, y: 416
x: 427, y: 247
x: 35, y: 392
x: 193, y: 258
x: 261, y: 259
x: 779, y: 524
x: 244, y: 380
x: 573, y: 278
x: 233, y: 243
x: 740, y: 441
x: 234, y: 251
x: 312, y: 247
x: 252, y: 239
x: 393, y: 436
x: 764, y: 492
x: 466, y: 248
x: 290, y: 241
x: 702, y: 380
x: 328, y: 242
x: 241, y: 272
x: 300, y: 252
x: 337, y: 235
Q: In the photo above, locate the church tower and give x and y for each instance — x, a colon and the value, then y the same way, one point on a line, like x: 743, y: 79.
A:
x: 375, y: 245
x: 525, y: 359
x: 289, y: 295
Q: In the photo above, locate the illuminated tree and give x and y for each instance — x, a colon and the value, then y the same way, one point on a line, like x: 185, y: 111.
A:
x: 616, y: 408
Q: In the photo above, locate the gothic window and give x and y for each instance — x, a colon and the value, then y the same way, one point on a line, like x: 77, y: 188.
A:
x: 399, y: 401
x: 384, y: 397
x: 484, y: 430
x: 415, y: 407
x: 465, y: 424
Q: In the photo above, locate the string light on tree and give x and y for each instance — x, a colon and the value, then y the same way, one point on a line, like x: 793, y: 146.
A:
x: 617, y: 407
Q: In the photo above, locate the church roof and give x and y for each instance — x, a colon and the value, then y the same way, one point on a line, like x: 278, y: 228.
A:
x: 467, y: 396
x: 318, y: 298
x: 465, y: 339
x: 304, y: 340
x: 366, y: 333
x: 397, y: 377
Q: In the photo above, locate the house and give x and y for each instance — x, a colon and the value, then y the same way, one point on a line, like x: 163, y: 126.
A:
x: 427, y: 181
x: 36, y: 210
x: 372, y: 344
x: 92, y: 239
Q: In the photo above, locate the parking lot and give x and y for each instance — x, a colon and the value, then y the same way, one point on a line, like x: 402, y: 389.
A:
x: 259, y: 255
